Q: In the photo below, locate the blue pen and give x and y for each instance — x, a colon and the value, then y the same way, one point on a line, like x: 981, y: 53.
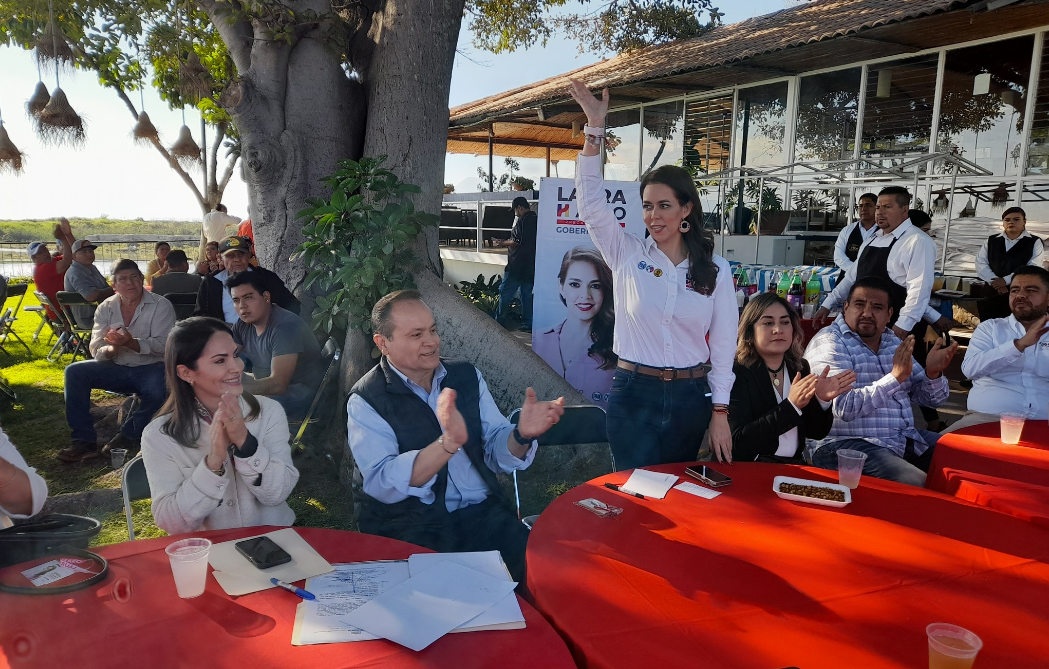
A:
x: 291, y: 588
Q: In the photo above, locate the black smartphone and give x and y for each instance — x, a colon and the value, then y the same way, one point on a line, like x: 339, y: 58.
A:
x: 712, y: 478
x: 262, y: 552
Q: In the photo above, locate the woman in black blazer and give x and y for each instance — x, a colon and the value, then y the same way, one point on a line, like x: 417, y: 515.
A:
x: 775, y: 403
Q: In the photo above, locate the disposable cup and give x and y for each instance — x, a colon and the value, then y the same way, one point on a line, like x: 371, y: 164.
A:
x: 1012, y: 426
x: 189, y: 566
x: 952, y: 647
x: 117, y: 457
x: 850, y: 467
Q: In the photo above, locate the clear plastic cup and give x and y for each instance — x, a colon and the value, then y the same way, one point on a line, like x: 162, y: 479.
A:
x: 117, y: 457
x: 952, y: 647
x: 1012, y: 426
x: 850, y: 467
x: 189, y: 566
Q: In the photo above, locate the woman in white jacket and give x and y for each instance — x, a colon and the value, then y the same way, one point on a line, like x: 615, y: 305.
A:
x: 216, y: 457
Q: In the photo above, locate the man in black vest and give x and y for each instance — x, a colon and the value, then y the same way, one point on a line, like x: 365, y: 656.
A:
x: 428, y: 440
x: 1001, y: 255
x: 852, y: 236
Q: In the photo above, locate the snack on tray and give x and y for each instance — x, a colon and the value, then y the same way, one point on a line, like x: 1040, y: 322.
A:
x: 817, y: 492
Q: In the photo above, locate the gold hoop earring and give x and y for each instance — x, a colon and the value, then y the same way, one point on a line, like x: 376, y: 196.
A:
x: 685, y: 226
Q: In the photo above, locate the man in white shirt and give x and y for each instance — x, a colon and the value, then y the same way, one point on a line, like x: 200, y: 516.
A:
x: 901, y: 254
x: 429, y: 440
x: 1001, y: 255
x: 127, y: 344
x: 1008, y: 358
x: 215, y: 228
x: 853, y: 235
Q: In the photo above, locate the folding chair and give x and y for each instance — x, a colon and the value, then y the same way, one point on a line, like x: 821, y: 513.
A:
x: 135, y: 486
x: 81, y: 336
x: 330, y: 356
x: 583, y: 424
x: 10, y: 315
x: 59, y: 327
x: 185, y: 304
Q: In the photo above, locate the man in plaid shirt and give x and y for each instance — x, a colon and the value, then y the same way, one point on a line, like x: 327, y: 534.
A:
x: 875, y: 417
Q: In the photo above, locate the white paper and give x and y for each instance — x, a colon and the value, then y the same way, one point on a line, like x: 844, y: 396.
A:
x: 339, y: 592
x: 424, y: 608
x: 48, y: 572
x: 697, y: 490
x: 237, y: 576
x: 506, y: 614
x: 649, y: 484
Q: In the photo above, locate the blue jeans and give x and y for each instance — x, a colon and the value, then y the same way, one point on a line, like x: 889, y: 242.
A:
x: 653, y: 422
x: 147, y: 381
x: 881, y: 462
x: 296, y: 400
x: 507, y: 290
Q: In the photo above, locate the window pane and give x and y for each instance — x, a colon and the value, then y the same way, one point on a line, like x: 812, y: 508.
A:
x: 897, y: 115
x: 1038, y: 153
x: 622, y: 144
x: 760, y: 128
x: 664, y: 134
x: 708, y: 134
x: 984, y: 98
x: 827, y: 107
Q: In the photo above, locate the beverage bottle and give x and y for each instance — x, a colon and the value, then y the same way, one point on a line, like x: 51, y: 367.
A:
x: 813, y: 289
x: 735, y: 277
x: 796, y: 292
x: 752, y: 284
x: 784, y: 284
x: 773, y: 282
x: 743, y: 282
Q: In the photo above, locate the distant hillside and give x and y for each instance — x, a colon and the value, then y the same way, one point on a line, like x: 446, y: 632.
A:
x: 27, y: 231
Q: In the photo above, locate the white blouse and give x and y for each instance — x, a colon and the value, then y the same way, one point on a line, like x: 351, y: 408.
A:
x: 660, y: 320
x: 788, y: 441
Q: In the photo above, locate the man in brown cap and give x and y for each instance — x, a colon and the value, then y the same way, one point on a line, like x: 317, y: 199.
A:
x: 214, y: 300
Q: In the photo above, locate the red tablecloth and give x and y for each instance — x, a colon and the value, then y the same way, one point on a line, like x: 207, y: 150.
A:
x: 750, y: 580
x: 979, y: 449
x: 135, y: 619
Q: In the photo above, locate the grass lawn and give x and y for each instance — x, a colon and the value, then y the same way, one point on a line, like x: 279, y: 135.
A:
x: 36, y: 424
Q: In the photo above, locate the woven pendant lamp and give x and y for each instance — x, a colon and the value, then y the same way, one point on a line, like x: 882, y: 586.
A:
x: 144, y: 131
x: 36, y: 103
x: 185, y: 150
x: 53, y: 47
x: 10, y: 156
x: 194, y: 80
x: 58, y: 123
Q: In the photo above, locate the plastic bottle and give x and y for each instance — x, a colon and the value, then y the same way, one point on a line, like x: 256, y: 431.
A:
x: 796, y: 292
x: 784, y: 284
x: 813, y: 289
x: 743, y: 282
x: 773, y: 284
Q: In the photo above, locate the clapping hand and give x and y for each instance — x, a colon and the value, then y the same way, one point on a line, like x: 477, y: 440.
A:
x: 595, y: 108
x: 828, y: 387
x: 802, y: 390
x: 451, y: 420
x: 902, y: 360
x: 117, y: 337
x: 939, y: 357
x: 537, y: 417
x: 232, y: 419
x: 1034, y: 333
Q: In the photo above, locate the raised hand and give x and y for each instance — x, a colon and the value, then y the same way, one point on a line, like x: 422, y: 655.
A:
x: 537, y: 417
x: 1034, y: 333
x: 828, y: 387
x: 219, y: 440
x: 939, y: 357
x: 233, y: 419
x: 801, y: 390
x: 595, y: 108
x: 451, y: 420
x: 903, y: 360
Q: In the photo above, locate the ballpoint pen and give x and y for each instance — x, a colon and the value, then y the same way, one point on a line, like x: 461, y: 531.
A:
x: 291, y: 588
x: 613, y: 486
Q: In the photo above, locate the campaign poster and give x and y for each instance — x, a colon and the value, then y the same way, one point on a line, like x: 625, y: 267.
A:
x: 572, y: 313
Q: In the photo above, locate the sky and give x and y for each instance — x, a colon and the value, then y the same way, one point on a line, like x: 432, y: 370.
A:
x: 113, y: 177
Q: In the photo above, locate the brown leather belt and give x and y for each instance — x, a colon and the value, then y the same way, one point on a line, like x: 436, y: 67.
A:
x: 665, y: 373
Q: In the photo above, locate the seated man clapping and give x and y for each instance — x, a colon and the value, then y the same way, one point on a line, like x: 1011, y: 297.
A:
x: 215, y: 456
x: 876, y: 416
x: 429, y: 440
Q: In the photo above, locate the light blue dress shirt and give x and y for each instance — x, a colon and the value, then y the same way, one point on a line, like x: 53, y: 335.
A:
x: 387, y: 472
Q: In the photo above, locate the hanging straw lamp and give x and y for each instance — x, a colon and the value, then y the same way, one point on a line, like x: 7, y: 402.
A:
x: 144, y: 131
x: 1000, y: 196
x: 58, y: 123
x: 194, y: 80
x: 10, y: 156
x: 53, y: 47
x: 36, y: 103
x: 185, y: 150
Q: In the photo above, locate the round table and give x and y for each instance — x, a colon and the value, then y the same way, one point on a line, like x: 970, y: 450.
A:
x: 751, y: 580
x: 135, y: 619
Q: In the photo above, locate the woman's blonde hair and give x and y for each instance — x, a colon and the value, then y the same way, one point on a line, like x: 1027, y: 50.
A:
x: 746, y: 351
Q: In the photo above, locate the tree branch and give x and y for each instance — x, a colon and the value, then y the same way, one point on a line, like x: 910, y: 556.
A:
x: 228, y: 173
x: 237, y: 35
x: 220, y: 134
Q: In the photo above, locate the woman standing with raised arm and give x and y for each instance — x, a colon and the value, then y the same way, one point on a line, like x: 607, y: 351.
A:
x: 676, y: 313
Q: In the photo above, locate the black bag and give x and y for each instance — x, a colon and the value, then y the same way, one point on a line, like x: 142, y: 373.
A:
x: 57, y: 533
